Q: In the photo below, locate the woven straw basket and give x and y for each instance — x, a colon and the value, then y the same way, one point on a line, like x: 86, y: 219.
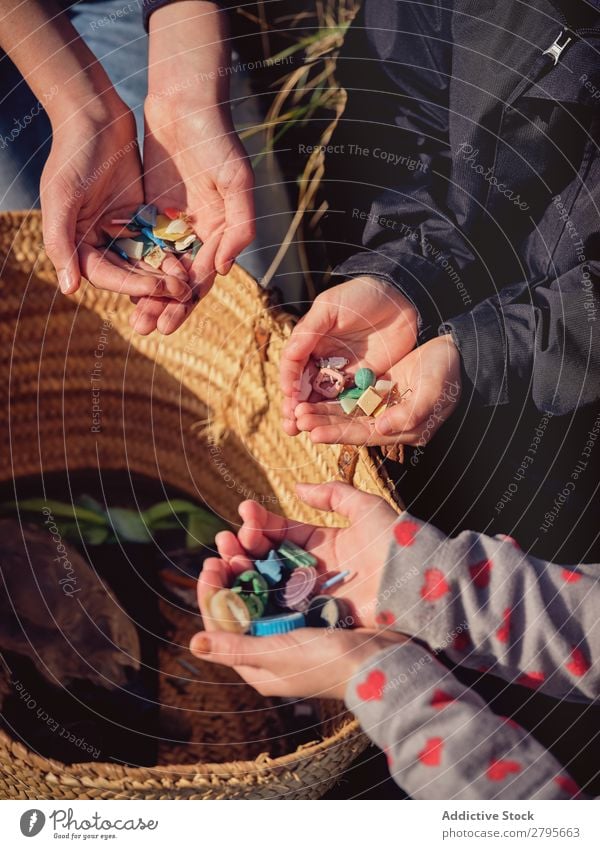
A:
x: 198, y: 411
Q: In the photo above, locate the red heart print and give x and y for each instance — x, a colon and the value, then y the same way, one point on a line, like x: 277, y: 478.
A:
x: 388, y: 757
x: 405, y: 532
x: 480, y: 573
x: 431, y: 753
x: 385, y: 617
x: 578, y: 664
x: 511, y: 540
x: 503, y: 632
x: 461, y: 641
x: 435, y: 585
x: 507, y: 720
x: 371, y: 689
x: 569, y: 576
x: 500, y: 769
x: 531, y: 679
x: 566, y: 783
x: 441, y: 699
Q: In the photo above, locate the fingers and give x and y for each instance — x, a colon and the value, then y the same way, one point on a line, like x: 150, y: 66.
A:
x: 261, y: 529
x: 240, y: 219
x: 59, y: 221
x: 232, y: 553
x: 145, y: 316
x: 338, y: 497
x: 230, y: 649
x: 288, y: 417
x: 212, y: 578
x: 306, y: 335
x: 116, y: 275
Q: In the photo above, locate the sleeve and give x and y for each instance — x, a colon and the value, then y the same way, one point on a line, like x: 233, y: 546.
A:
x: 544, y: 334
x: 492, y: 607
x: 150, y: 6
x: 410, y: 237
x: 441, y: 740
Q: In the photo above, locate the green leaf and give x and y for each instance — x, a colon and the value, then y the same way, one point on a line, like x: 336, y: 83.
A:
x: 56, y: 508
x: 129, y: 525
x: 95, y: 535
x: 166, y: 509
x: 202, y: 529
x: 91, y: 504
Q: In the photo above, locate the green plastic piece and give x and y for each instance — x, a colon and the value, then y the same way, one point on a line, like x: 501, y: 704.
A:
x: 251, y: 583
x: 256, y: 606
x: 296, y: 555
x: 364, y: 378
x: 354, y: 392
x: 348, y: 405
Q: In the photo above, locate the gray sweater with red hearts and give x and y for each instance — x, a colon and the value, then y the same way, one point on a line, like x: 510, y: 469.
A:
x: 489, y: 606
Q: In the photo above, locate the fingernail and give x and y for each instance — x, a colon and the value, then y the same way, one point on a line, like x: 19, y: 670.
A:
x: 200, y: 644
x: 225, y: 267
x: 65, y: 280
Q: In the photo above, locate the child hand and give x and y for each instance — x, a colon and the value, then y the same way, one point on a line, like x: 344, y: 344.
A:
x: 365, y: 320
x: 306, y: 663
x: 362, y: 547
x: 431, y: 372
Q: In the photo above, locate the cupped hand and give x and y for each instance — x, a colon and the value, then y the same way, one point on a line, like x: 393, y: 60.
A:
x: 362, y: 547
x: 93, y: 175
x: 195, y: 162
x: 365, y: 320
x: 306, y: 663
x: 429, y: 381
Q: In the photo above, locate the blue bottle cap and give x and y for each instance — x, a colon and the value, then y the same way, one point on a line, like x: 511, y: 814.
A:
x: 280, y: 624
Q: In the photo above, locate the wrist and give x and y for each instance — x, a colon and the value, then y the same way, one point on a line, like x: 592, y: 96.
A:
x: 91, y: 100
x: 189, y: 57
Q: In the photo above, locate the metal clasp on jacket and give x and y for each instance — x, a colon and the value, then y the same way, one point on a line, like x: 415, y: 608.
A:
x: 556, y: 49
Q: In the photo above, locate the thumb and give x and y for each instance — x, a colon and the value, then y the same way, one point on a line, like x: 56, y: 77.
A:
x: 305, y: 337
x: 338, y: 497
x: 59, y: 222
x: 230, y: 649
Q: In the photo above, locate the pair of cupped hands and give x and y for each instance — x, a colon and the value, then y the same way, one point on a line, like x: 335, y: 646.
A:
x: 192, y: 161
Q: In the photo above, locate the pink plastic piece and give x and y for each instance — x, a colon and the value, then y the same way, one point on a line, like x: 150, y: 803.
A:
x: 329, y: 382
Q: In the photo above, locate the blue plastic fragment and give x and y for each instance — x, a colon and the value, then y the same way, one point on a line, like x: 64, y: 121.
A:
x: 146, y: 215
x: 280, y: 624
x: 117, y: 250
x: 271, y: 568
x: 147, y: 232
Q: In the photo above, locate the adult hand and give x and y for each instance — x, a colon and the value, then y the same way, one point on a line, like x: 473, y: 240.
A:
x: 432, y: 374
x: 361, y: 547
x: 365, y: 320
x: 306, y: 663
x: 193, y: 158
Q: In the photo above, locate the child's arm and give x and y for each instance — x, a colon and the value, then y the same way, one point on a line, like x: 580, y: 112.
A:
x: 441, y: 740
x: 490, y: 606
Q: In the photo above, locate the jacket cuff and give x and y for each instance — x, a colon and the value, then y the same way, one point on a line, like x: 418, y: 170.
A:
x: 149, y: 6
x: 480, y: 337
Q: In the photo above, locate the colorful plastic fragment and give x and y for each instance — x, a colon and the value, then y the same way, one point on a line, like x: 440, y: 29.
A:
x: 364, y: 378
x: 295, y: 555
x: 272, y: 568
x: 329, y: 382
x: 369, y: 401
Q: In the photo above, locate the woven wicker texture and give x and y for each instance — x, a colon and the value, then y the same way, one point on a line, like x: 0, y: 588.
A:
x: 199, y: 411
